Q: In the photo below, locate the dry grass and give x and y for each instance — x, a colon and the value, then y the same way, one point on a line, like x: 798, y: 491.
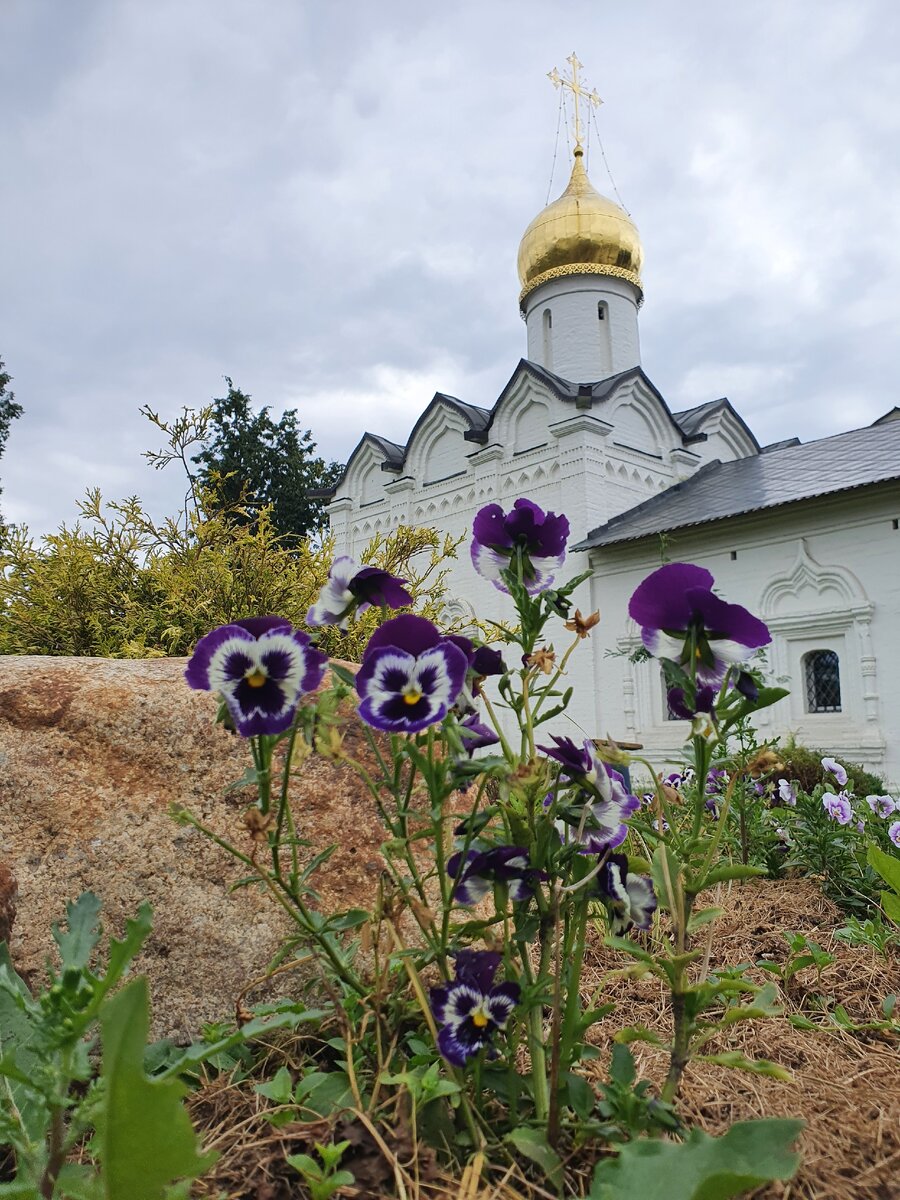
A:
x: 845, y: 1086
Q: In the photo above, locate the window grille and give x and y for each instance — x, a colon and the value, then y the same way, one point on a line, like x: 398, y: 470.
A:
x: 823, y: 681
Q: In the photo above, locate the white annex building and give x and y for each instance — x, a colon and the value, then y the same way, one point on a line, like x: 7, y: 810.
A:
x: 807, y: 536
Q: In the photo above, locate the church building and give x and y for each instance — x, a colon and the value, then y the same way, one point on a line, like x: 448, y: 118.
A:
x: 805, y: 535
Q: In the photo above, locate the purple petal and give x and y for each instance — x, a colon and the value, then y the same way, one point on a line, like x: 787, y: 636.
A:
x: 488, y: 661
x: 489, y: 528
x: 257, y: 626
x: 730, y: 622
x: 660, y: 601
x: 501, y: 1001
x: 410, y: 633
x: 372, y: 585
x: 477, y: 968
x: 197, y: 671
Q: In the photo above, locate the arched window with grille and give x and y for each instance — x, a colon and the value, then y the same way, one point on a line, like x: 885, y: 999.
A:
x: 822, y: 676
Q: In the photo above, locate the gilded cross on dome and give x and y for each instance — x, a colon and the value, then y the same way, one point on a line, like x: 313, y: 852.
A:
x: 578, y: 92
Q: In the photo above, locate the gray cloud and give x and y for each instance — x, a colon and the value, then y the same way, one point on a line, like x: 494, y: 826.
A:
x: 325, y: 202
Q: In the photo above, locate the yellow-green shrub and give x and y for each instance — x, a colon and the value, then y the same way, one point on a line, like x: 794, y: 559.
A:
x: 118, y: 585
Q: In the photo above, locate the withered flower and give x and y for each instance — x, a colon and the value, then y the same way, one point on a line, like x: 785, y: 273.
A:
x: 258, y: 824
x: 583, y: 625
x: 544, y: 659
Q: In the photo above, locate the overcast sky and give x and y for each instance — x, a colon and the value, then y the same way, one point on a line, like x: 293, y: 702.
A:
x: 325, y: 200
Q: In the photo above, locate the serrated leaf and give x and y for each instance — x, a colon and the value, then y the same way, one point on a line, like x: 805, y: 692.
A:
x: 534, y: 1145
x: 750, y: 1154
x: 18, y: 1050
x: 78, y: 941
x: 145, y: 1137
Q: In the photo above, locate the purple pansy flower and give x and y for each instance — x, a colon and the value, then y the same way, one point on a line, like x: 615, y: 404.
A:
x: 410, y: 675
x: 352, y: 588
x: 471, y: 1008
x: 475, y: 734
x: 680, y: 705
x: 603, y: 827
x: 716, y: 781
x: 894, y: 833
x: 787, y: 793
x: 676, y: 607
x: 629, y: 898
x: 881, y: 806
x: 497, y: 537
x: 836, y: 770
x: 261, y: 666
x: 477, y: 873
x: 838, y: 808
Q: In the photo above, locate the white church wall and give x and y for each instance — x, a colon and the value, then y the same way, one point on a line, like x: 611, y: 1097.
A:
x: 824, y: 576
x: 565, y: 459
x: 583, y: 327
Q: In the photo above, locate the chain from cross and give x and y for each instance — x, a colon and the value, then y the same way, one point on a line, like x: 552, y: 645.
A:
x: 578, y: 92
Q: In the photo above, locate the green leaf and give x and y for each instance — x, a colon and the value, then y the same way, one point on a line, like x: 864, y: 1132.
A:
x: 76, y: 945
x: 891, y: 905
x: 750, y: 1154
x: 534, y: 1145
x: 137, y: 930
x: 757, y: 1066
x: 279, y: 1088
x: 724, y: 873
x: 664, y: 857
x: 638, y: 1033
x: 705, y: 916
x: 145, y: 1137
x: 19, y: 1054
x: 887, y: 866
x: 351, y: 919
x: 580, y: 1095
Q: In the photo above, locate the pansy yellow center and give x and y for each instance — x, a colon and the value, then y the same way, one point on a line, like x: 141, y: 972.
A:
x: 256, y: 678
x: 479, y: 1018
x: 413, y: 696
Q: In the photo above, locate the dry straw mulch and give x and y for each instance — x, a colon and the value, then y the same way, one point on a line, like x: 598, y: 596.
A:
x: 845, y: 1086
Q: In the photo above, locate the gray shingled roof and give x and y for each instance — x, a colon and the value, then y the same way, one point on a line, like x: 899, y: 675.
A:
x: 719, y: 490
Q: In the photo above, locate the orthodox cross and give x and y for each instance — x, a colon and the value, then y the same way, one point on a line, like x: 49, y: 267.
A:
x: 578, y: 92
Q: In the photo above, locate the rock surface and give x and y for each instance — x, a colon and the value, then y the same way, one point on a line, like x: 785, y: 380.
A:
x: 92, y: 753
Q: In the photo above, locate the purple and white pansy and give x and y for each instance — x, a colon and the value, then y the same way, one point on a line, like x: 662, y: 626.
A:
x: 629, y: 898
x: 683, y: 620
x: 839, y: 772
x: 601, y: 826
x: 787, y: 793
x: 894, y: 833
x: 351, y: 588
x: 498, y: 538
x: 477, y: 871
x: 410, y: 676
x: 471, y: 1009
x: 838, y: 807
x: 882, y: 806
x: 261, y: 666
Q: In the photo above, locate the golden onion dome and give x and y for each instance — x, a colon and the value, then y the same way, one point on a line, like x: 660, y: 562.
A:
x: 581, y: 233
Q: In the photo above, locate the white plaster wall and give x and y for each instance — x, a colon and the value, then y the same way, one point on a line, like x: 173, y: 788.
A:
x: 824, y: 575
x: 582, y: 348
